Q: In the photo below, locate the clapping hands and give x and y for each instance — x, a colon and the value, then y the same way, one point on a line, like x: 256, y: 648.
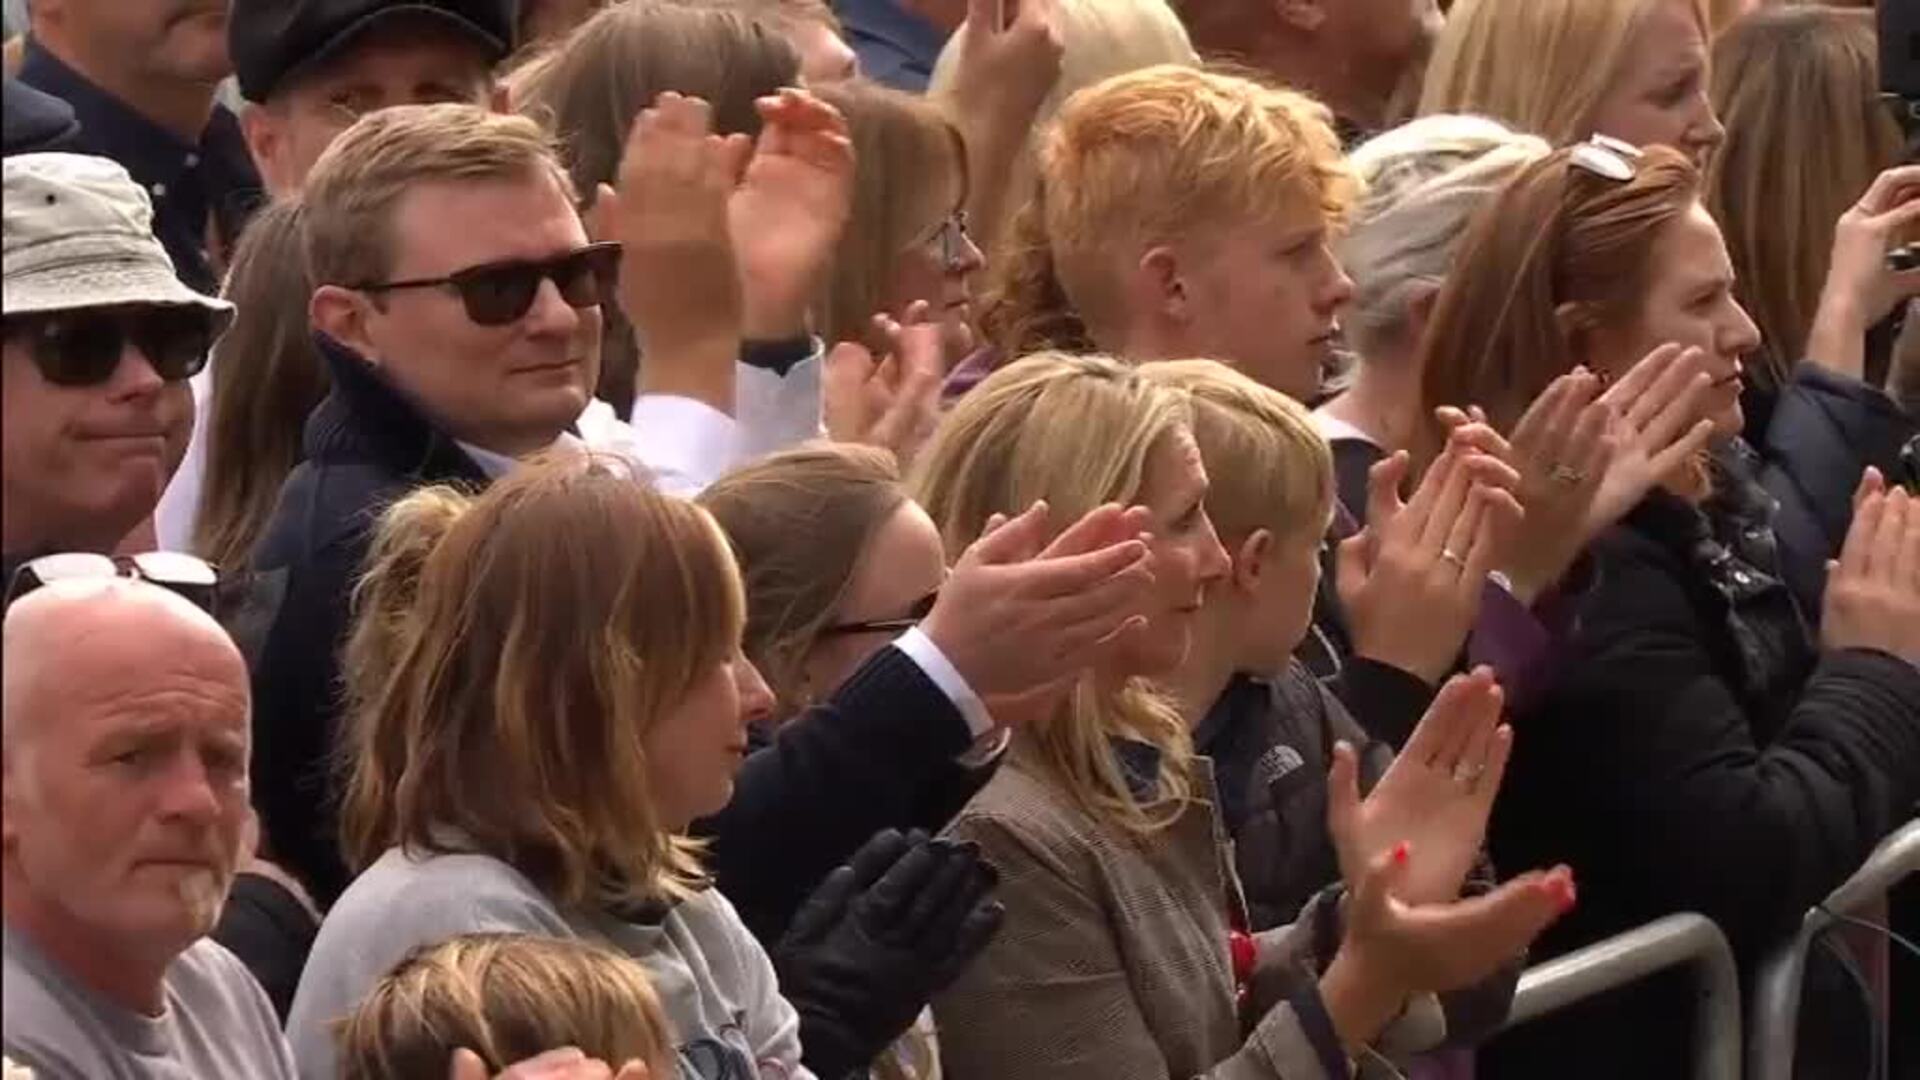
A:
x: 893, y: 402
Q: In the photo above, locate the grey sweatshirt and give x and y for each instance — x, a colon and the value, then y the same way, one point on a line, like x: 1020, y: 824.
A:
x: 714, y: 981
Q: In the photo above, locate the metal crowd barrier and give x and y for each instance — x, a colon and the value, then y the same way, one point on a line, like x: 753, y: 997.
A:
x: 1676, y: 940
x: 1776, y: 989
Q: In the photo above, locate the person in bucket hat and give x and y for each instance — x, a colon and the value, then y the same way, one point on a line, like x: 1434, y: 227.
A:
x: 101, y: 336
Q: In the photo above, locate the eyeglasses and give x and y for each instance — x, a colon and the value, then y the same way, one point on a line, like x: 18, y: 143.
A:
x: 191, y: 577
x: 920, y: 610
x: 83, y: 347
x: 1607, y: 157
x: 496, y: 294
x: 950, y: 239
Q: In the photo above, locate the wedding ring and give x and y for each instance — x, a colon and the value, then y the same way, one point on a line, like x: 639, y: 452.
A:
x: 1566, y: 474
x: 1453, y: 557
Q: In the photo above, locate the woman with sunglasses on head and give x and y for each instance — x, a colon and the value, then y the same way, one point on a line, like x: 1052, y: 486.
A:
x: 1125, y: 953
x: 1700, y: 750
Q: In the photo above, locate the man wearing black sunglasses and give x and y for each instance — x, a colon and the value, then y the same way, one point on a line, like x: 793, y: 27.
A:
x: 100, y: 339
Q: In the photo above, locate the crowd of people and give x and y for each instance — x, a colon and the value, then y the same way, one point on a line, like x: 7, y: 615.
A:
x: 988, y: 539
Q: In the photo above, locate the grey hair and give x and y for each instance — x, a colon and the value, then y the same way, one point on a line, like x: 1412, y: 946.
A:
x: 1424, y: 180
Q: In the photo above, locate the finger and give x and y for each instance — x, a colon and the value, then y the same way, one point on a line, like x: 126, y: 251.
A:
x: 1412, y: 520
x: 950, y: 885
x: 981, y: 924
x: 879, y: 853
x: 1016, y: 540
x: 1671, y: 383
x: 1065, y: 575
x: 1676, y: 414
x: 466, y: 1065
x: 888, y: 903
x: 1385, y: 869
x: 983, y: 18
x: 1856, y: 550
x: 1343, y: 794
x: 1884, y: 560
x: 1451, y: 417
x: 1111, y: 600
x: 1383, y: 488
x: 1483, y: 932
x: 1585, y: 451
x: 1479, y: 707
x: 1477, y: 436
x: 1096, y: 528
x: 1629, y: 387
x: 1689, y: 446
x: 1889, y: 188
x: 633, y: 1070
x: 1500, y: 513
x: 1440, y: 727
x: 847, y: 368
x: 1871, y: 481
x: 973, y: 886
x: 1907, y: 565
x: 1446, y: 509
x: 823, y: 908
x: 1350, y: 570
x: 1499, y: 752
x: 1543, y: 416
x: 1459, y: 539
x: 1478, y: 752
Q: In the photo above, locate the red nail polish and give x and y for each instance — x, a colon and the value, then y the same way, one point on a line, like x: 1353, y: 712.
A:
x: 1400, y: 853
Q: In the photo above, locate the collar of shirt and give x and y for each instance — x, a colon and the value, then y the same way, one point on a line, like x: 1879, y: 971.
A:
x: 896, y: 47
x: 499, y: 465
x: 187, y: 181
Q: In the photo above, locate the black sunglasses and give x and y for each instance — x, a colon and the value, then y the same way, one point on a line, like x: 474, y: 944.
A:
x: 920, y: 610
x: 496, y: 294
x: 83, y: 346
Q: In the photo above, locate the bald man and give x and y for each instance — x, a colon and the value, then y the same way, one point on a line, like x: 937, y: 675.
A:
x: 124, y: 801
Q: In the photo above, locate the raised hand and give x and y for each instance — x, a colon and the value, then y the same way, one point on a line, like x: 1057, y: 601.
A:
x: 1411, y: 581
x: 790, y: 209
x: 1659, y: 409
x: 1873, y: 589
x: 879, y: 937
x: 1393, y: 949
x: 1861, y: 289
x: 892, y: 403
x: 1436, y: 795
x: 679, y: 284
x: 1016, y: 617
x: 567, y: 1063
x: 1005, y: 72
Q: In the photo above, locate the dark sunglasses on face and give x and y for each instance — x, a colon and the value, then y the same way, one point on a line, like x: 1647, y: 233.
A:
x: 920, y: 610
x: 496, y: 294
x: 83, y: 346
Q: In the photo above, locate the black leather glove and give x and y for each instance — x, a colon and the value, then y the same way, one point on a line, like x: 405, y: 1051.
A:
x: 877, y: 939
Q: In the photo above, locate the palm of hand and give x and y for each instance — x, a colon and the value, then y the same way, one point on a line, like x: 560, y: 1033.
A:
x: 787, y: 213
x: 1437, y: 816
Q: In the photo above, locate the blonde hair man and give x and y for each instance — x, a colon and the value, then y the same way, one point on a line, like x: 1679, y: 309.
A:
x: 1182, y: 213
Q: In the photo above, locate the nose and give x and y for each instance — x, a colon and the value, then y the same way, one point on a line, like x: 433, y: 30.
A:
x: 756, y: 697
x: 1742, y: 336
x: 550, y: 314
x: 1214, y: 562
x: 1707, y: 131
x: 189, y: 794
x: 136, y: 376
x: 971, y: 259
x: 1339, y: 287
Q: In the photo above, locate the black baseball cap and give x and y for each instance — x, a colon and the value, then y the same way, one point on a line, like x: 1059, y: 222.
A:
x: 271, y: 39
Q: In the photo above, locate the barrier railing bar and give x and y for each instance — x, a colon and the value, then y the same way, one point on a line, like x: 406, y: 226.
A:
x: 1776, y: 989
x: 1673, y: 941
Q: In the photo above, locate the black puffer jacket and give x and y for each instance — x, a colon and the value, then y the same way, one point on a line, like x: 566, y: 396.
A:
x: 1814, y: 439
x: 1697, y: 754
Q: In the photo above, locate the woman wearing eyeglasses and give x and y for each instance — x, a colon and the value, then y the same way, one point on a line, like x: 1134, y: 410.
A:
x: 906, y: 242
x: 1700, y: 750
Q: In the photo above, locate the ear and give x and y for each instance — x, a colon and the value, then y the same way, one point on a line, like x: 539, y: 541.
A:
x: 1165, y: 284
x: 1421, y: 302
x: 343, y: 315
x: 1306, y: 15
x: 1573, y: 329
x: 498, y: 98
x: 265, y: 141
x: 1250, y: 559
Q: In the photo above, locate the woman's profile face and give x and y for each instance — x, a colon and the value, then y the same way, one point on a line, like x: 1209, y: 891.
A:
x: 1659, y: 95
x: 1184, y: 554
x: 1689, y: 302
x: 939, y: 267
x: 898, y: 574
x: 694, y: 749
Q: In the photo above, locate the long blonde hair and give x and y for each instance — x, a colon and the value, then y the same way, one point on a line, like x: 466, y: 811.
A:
x: 1797, y: 88
x: 1140, y: 160
x: 506, y: 997
x: 1075, y: 431
x: 510, y: 651
x: 1540, y: 66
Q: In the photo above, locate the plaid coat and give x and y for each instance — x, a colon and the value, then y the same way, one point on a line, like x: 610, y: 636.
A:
x: 1113, y: 961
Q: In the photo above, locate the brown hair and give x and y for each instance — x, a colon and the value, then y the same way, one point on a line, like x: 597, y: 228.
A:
x: 799, y: 521
x: 1800, y: 86
x: 1076, y: 431
x: 588, y: 89
x: 910, y: 174
x: 362, y: 176
x: 509, y: 653
x: 1136, y: 161
x: 1558, y: 234
x: 266, y: 379
x: 506, y: 997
